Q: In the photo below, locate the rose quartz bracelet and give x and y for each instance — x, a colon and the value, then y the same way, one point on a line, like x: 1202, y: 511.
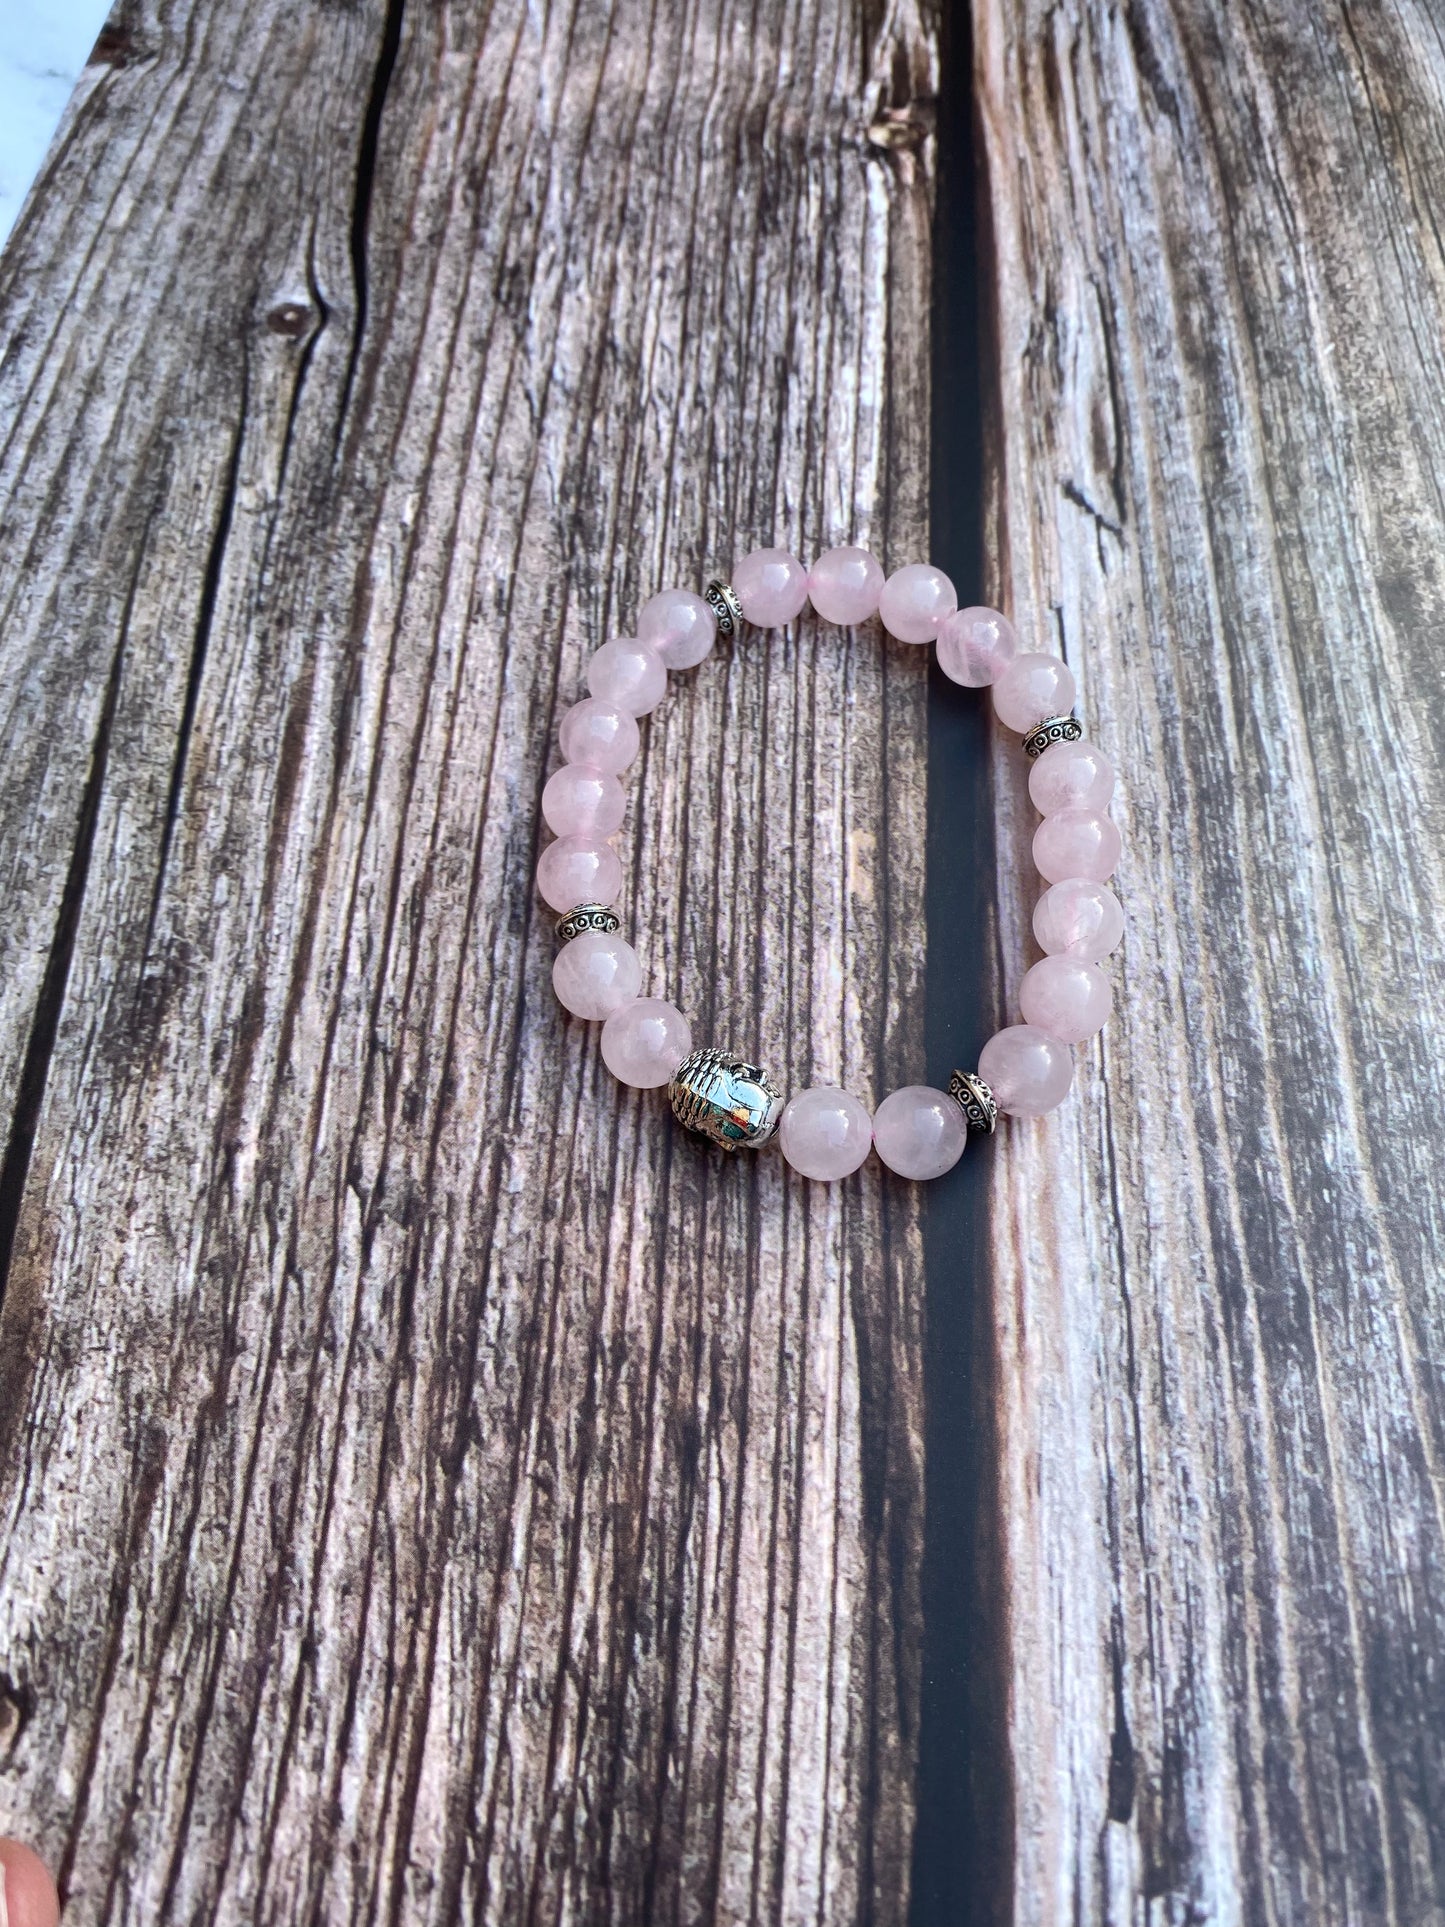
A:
x: 1065, y: 998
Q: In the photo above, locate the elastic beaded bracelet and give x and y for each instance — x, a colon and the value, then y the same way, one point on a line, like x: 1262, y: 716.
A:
x: 919, y: 1132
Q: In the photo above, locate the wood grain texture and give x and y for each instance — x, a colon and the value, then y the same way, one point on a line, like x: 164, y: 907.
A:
x: 427, y: 1485
x: 1219, y: 1294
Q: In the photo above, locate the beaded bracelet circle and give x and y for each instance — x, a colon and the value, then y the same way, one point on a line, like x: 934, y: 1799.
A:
x: 919, y: 1132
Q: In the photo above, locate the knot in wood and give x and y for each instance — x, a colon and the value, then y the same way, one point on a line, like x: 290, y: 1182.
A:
x: 288, y: 318
x: 114, y: 47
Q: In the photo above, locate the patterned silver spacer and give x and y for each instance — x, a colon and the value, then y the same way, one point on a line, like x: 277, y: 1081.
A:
x: 725, y: 1098
x: 724, y: 604
x: 587, y: 916
x: 1053, y: 729
x: 974, y: 1098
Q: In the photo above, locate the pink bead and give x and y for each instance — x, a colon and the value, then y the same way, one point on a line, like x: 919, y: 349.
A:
x: 579, y: 869
x: 1028, y: 1071
x: 578, y: 800
x: 627, y: 672
x: 1077, y: 843
x: 644, y: 1042
x: 602, y: 734
x: 844, y: 586
x: 919, y: 1132
x: 1067, y: 997
x: 679, y: 626
x: 1031, y: 688
x: 1071, y: 776
x: 596, y: 974
x: 915, y: 600
x: 772, y: 587
x: 975, y: 646
x: 1079, y: 918
x: 825, y: 1133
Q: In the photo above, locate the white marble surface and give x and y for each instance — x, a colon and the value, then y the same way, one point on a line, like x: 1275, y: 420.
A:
x: 43, y: 46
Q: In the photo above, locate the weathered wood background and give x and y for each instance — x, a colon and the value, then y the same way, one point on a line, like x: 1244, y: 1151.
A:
x: 427, y: 1484
x: 1219, y: 1287
x: 428, y: 1487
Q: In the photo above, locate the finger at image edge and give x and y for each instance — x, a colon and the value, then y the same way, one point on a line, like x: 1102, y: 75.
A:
x: 27, y: 1892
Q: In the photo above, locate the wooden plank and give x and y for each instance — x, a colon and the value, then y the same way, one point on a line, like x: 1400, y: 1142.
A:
x: 427, y: 1484
x: 1219, y: 1296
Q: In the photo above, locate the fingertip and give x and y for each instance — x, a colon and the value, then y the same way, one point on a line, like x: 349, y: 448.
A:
x: 27, y: 1892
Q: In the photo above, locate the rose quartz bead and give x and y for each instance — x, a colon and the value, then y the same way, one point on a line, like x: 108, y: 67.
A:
x: 1077, y: 843
x: 579, y: 869
x: 596, y: 974
x: 578, y: 800
x: 644, y: 1042
x: 1028, y: 1071
x: 602, y: 734
x: 679, y: 626
x: 825, y: 1133
x: 1031, y: 688
x: 1079, y: 918
x: 629, y: 673
x: 915, y: 600
x: 1067, y: 997
x: 844, y: 586
x: 1071, y: 776
x: 772, y: 587
x: 975, y: 646
x: 919, y: 1132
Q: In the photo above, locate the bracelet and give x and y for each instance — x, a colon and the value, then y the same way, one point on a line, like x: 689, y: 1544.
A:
x: 919, y: 1132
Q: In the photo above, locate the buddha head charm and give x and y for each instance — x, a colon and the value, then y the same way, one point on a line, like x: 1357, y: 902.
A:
x: 919, y: 1131
x: 721, y: 1097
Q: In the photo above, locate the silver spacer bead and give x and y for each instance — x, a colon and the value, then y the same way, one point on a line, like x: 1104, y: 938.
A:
x: 723, y: 1098
x: 587, y: 916
x: 974, y: 1098
x: 724, y: 604
x: 1053, y: 729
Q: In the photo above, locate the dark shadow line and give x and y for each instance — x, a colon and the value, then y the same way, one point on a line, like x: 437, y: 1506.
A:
x: 366, y: 158
x: 963, y: 1843
x: 45, y: 1019
x: 200, y: 650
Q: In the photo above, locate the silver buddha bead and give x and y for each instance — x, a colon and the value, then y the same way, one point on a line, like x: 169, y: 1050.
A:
x: 1053, y: 729
x: 974, y: 1098
x: 720, y: 598
x: 726, y: 1099
x: 587, y: 916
